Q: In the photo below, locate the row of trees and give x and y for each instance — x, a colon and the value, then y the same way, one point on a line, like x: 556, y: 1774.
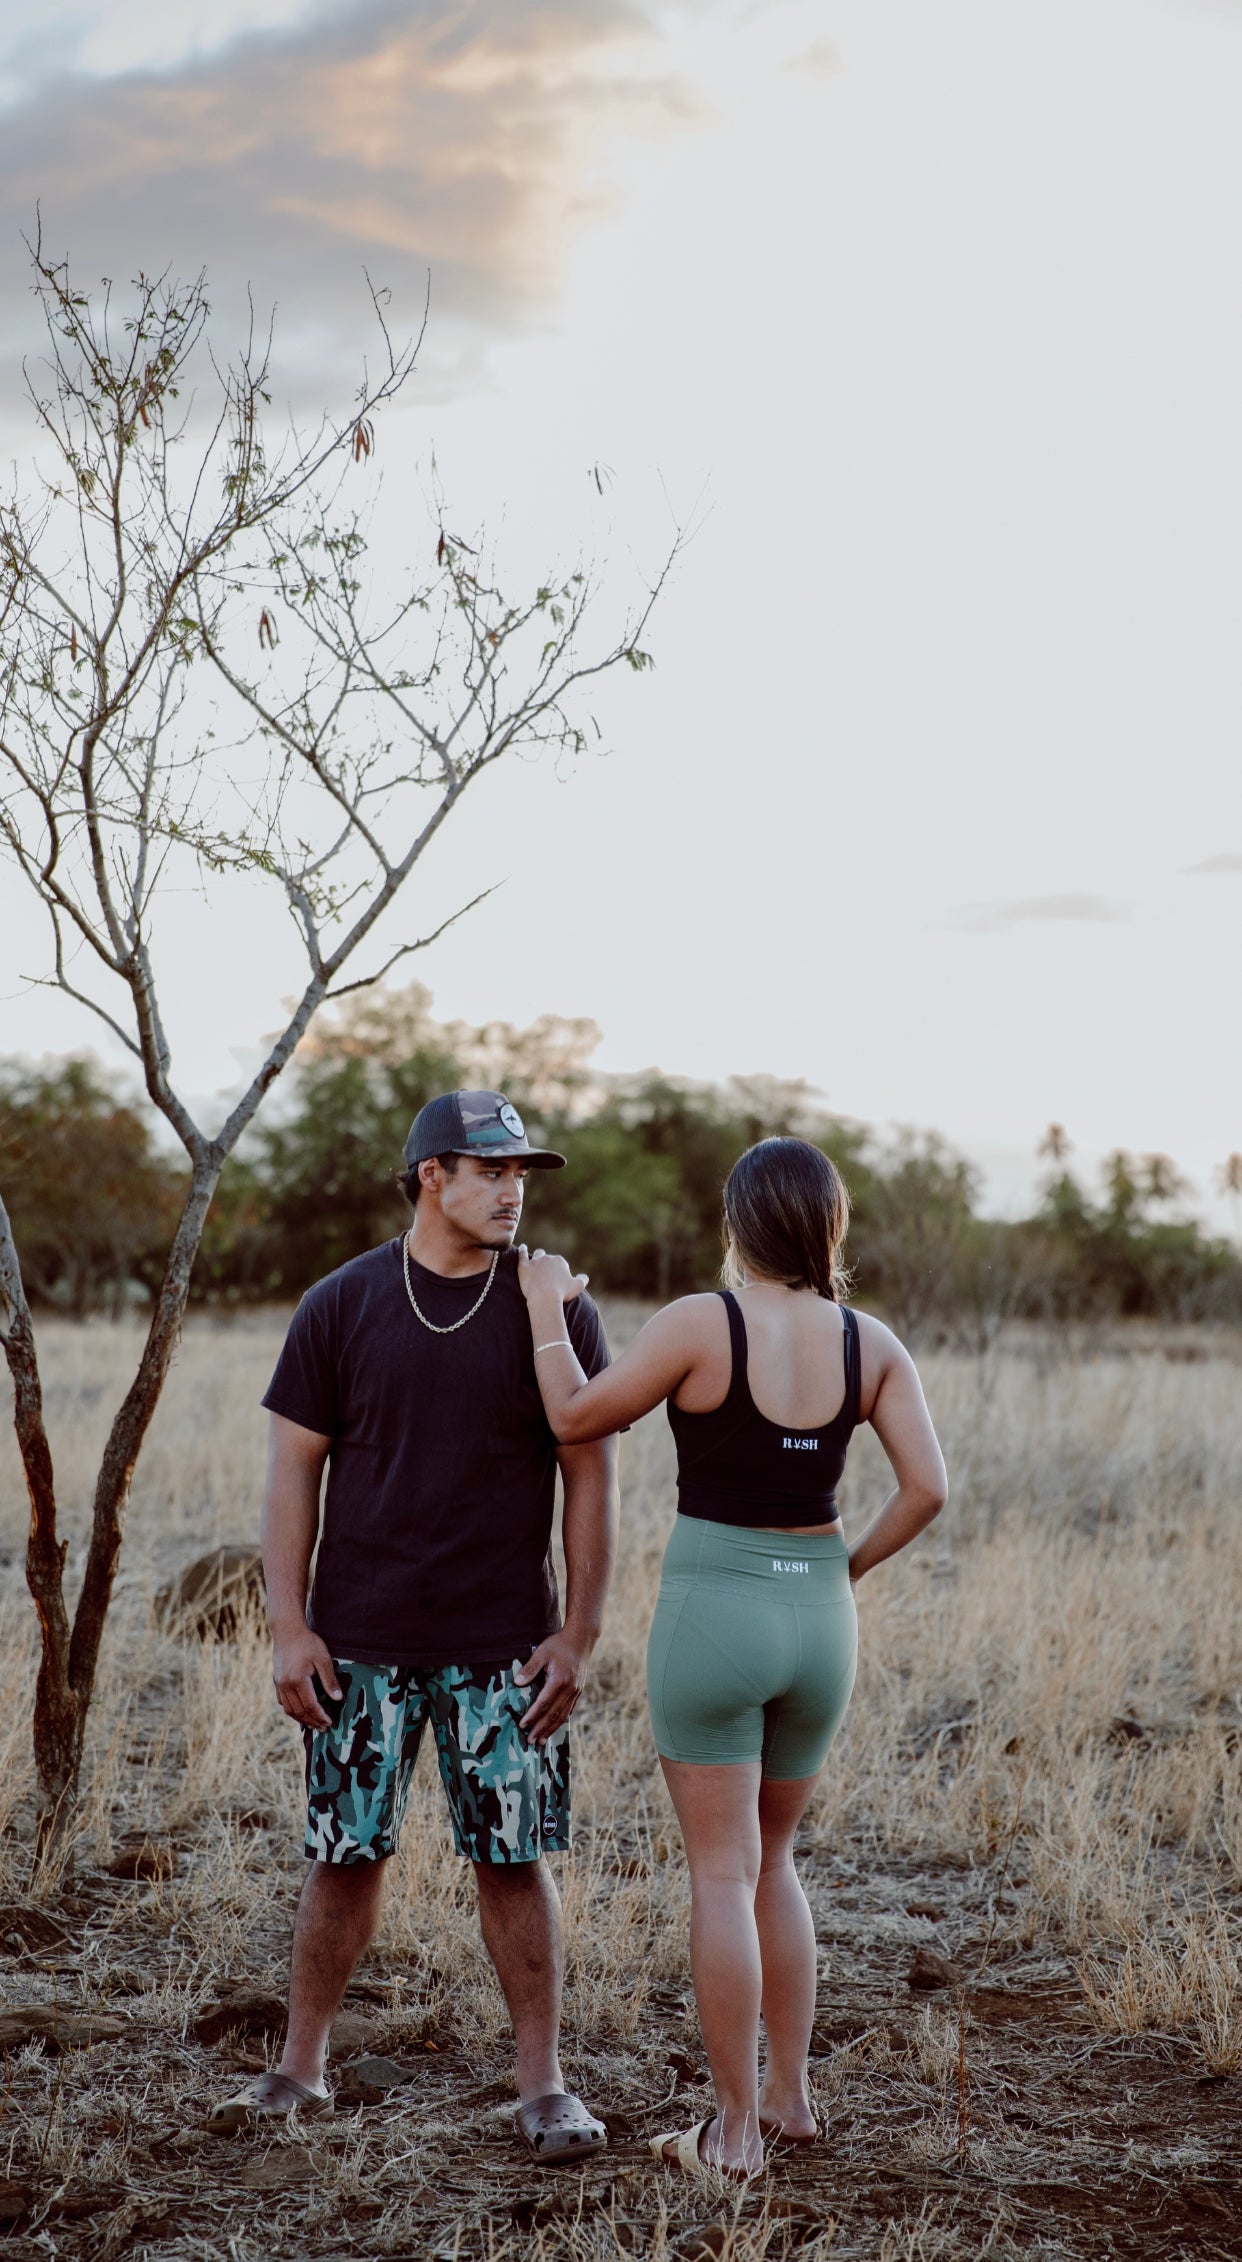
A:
x: 93, y: 1198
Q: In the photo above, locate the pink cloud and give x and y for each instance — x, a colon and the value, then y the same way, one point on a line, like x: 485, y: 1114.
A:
x: 467, y: 140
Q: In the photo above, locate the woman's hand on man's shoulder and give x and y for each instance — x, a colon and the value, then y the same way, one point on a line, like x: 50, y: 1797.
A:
x: 540, y: 1271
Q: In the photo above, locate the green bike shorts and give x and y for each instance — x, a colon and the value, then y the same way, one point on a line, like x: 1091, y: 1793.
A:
x: 508, y: 1798
x: 753, y: 1647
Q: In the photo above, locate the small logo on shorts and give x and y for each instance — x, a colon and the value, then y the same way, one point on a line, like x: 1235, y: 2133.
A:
x: 778, y: 1565
x: 549, y: 1826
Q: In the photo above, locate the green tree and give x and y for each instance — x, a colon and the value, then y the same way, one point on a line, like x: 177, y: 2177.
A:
x: 92, y: 1202
x: 915, y: 1239
x: 318, y: 1185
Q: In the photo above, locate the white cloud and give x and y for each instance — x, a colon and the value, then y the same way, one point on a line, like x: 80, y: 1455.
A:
x: 994, y: 918
x: 819, y: 62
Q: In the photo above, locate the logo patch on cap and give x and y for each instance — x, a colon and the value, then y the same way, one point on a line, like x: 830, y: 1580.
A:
x: 512, y: 1120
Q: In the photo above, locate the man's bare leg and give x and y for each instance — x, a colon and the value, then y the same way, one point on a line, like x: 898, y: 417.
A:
x: 520, y: 1913
x: 337, y: 1917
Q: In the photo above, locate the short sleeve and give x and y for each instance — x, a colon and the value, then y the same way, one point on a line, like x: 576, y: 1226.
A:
x: 586, y: 1333
x: 304, y: 1388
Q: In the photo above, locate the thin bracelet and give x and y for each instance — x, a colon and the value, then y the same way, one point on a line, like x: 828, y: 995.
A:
x: 558, y: 1343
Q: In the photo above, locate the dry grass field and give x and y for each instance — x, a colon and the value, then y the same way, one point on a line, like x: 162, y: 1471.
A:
x: 1040, y: 1784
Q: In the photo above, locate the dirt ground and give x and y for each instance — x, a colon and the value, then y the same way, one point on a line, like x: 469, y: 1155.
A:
x: 1025, y: 1868
x: 996, y: 2120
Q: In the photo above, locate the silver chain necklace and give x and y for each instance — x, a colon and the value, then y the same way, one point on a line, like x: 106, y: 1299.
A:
x: 430, y: 1324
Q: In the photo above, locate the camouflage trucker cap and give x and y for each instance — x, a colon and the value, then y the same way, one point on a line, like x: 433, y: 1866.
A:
x: 474, y: 1123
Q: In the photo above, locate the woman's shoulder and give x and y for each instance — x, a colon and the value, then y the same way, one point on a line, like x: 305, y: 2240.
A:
x: 698, y: 1319
x: 876, y: 1333
x: 880, y: 1351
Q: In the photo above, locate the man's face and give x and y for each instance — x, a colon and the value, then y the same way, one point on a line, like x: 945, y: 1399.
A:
x: 482, y: 1198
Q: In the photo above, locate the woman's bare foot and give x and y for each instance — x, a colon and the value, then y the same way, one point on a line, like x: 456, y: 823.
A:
x: 788, y: 2120
x: 738, y: 2156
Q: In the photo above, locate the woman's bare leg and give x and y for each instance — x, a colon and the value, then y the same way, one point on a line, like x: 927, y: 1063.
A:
x: 718, y: 1809
x: 787, y: 1951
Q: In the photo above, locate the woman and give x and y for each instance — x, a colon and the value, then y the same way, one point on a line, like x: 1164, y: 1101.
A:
x: 753, y: 1645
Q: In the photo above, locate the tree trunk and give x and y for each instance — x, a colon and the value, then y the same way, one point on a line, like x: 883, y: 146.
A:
x: 56, y: 1739
x: 66, y: 1679
x: 127, y: 1433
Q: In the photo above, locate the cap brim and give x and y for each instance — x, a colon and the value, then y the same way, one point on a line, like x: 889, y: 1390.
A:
x: 539, y: 1158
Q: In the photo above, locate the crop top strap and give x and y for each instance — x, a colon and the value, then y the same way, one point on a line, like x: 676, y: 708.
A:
x: 739, y: 1378
x: 852, y: 1350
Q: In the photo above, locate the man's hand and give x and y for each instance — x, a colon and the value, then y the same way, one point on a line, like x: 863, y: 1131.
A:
x: 541, y: 1270
x: 563, y: 1661
x: 296, y: 1654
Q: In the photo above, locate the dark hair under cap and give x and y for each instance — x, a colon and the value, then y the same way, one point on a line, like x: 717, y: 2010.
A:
x: 786, y: 1214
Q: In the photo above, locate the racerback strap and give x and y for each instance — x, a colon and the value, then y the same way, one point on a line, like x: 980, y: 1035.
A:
x: 737, y: 1400
x: 852, y: 1351
x: 739, y: 1380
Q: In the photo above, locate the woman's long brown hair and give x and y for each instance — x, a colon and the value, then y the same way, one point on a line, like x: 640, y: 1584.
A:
x: 786, y: 1215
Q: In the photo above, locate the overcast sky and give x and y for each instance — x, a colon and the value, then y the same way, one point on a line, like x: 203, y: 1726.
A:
x: 928, y: 313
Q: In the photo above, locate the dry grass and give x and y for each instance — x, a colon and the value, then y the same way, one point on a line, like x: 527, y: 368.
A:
x: 1041, y: 1778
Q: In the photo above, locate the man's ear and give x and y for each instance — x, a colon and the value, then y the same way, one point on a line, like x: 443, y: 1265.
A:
x: 430, y: 1174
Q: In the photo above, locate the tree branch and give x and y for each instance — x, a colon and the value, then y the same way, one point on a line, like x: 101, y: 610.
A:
x: 368, y: 981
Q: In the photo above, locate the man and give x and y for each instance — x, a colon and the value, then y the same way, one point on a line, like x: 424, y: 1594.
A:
x: 410, y: 1373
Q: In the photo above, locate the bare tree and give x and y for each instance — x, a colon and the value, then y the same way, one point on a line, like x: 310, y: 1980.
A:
x: 196, y: 675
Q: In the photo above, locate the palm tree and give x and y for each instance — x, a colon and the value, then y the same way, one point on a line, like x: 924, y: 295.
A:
x: 1229, y: 1179
x: 1056, y: 1143
x: 1161, y: 1180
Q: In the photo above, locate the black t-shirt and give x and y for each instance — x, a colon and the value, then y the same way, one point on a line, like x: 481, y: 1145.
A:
x: 437, y: 1526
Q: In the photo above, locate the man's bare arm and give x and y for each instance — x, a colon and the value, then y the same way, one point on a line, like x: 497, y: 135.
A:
x: 589, y: 1532
x: 289, y: 1529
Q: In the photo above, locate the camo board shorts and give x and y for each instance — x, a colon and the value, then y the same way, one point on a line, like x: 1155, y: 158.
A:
x: 508, y: 1799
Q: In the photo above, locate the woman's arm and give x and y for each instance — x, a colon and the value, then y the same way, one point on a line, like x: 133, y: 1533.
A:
x: 903, y: 1425
x: 650, y: 1369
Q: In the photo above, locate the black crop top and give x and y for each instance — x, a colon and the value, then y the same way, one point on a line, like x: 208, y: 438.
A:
x: 734, y: 1466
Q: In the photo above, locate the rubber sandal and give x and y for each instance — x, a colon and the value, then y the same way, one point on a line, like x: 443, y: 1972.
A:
x: 269, y: 2097
x: 557, y: 2129
x: 690, y: 2159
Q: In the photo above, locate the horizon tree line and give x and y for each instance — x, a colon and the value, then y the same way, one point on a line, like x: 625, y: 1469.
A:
x: 92, y: 1192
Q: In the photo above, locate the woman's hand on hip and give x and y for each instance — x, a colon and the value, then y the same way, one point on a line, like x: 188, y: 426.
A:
x: 541, y: 1274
